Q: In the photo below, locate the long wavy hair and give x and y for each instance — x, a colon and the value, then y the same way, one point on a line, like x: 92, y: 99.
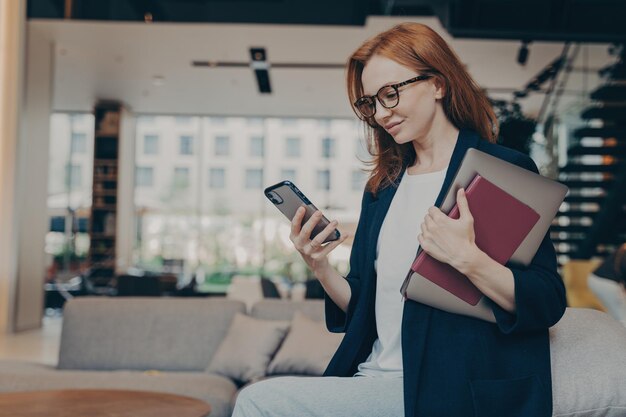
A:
x: 417, y: 46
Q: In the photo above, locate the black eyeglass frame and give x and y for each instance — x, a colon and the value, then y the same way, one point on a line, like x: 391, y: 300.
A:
x: 372, y: 99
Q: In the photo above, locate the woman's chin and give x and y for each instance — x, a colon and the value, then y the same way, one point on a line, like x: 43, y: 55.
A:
x: 400, y: 139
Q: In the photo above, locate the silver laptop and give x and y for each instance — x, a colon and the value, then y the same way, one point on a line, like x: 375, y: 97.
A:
x: 540, y: 193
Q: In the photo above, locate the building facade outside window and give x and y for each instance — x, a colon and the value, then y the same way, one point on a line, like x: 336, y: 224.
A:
x: 289, y: 175
x: 181, y: 177
x: 217, y: 178
x: 292, y: 147
x: 218, y: 121
x: 79, y: 143
x: 359, y: 178
x: 361, y: 151
x: 150, y: 145
x: 70, y: 170
x: 186, y: 145
x: 257, y: 146
x: 328, y: 148
x: 74, y: 175
x: 254, y: 178
x: 323, y: 179
x: 183, y: 120
x: 222, y: 146
x: 224, y: 224
x: 144, y: 176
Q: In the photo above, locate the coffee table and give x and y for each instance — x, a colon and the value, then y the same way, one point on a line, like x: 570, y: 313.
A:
x: 100, y: 403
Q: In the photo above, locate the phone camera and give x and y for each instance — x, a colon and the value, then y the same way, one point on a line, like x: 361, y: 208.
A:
x: 274, y: 198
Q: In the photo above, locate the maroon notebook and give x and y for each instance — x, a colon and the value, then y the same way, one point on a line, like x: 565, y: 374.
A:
x: 501, y: 223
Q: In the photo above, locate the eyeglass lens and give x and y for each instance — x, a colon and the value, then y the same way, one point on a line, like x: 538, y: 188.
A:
x: 387, y: 96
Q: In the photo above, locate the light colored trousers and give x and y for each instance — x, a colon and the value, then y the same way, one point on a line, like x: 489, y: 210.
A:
x: 611, y: 295
x: 322, y: 397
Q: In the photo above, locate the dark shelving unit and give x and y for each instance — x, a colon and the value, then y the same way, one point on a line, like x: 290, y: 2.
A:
x: 103, y: 220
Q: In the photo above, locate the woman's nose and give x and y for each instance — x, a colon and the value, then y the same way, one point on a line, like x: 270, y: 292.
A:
x: 382, y: 113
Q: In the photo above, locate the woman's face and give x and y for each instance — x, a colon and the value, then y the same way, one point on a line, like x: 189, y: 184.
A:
x: 414, y: 115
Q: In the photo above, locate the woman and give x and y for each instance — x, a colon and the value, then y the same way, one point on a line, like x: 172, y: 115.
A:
x: 397, y: 358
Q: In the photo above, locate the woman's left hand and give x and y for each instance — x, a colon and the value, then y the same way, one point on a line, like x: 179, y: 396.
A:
x: 448, y: 240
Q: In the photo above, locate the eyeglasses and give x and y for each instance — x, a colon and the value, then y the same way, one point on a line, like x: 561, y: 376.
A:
x: 387, y: 96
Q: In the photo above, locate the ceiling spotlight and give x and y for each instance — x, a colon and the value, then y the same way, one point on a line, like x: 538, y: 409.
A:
x: 260, y: 66
x: 522, y: 55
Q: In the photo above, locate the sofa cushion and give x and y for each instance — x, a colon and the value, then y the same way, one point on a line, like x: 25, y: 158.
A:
x: 248, y: 348
x: 273, y: 309
x: 168, y: 334
x: 307, y: 349
x: 214, y: 389
x: 588, y: 353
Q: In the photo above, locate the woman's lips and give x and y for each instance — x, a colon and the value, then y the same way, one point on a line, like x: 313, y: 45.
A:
x: 393, y: 128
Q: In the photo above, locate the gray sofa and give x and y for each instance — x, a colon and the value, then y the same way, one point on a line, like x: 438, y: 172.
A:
x: 153, y: 344
x: 165, y: 344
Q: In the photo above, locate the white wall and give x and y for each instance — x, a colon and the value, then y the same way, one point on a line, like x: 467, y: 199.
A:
x: 32, y: 181
x: 12, y: 26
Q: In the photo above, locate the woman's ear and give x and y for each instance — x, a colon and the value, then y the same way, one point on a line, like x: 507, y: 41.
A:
x: 440, y: 88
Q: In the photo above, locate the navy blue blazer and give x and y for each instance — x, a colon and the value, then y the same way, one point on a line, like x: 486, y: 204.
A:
x: 457, y: 366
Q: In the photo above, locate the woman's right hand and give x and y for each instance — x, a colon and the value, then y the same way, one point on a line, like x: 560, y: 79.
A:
x: 313, y: 251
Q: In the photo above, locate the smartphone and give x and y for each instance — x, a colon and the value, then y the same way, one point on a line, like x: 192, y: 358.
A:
x: 288, y: 198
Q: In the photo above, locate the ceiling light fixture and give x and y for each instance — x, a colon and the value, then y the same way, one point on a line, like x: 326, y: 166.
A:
x: 522, y: 55
x: 260, y: 66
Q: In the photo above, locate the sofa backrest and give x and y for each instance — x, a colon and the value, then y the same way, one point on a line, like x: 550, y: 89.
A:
x: 166, y: 334
x: 588, y: 354
x: 276, y: 309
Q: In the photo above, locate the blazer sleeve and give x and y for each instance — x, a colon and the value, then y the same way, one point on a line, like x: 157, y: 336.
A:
x: 337, y: 320
x: 539, y: 290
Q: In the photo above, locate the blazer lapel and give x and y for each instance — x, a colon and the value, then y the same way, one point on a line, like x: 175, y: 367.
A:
x: 414, y: 336
x: 467, y: 139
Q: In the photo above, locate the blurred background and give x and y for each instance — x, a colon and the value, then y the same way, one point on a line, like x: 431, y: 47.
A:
x: 138, y: 135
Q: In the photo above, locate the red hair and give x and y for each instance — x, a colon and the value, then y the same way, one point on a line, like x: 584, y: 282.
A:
x: 417, y: 46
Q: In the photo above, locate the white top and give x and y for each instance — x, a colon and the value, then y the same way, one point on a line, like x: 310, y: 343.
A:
x: 396, y: 249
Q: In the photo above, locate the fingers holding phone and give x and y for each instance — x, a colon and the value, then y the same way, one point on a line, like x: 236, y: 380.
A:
x: 312, y: 234
x: 303, y: 234
x: 314, y: 250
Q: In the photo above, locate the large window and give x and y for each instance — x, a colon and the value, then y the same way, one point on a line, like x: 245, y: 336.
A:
x: 69, y: 194
x: 206, y: 211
